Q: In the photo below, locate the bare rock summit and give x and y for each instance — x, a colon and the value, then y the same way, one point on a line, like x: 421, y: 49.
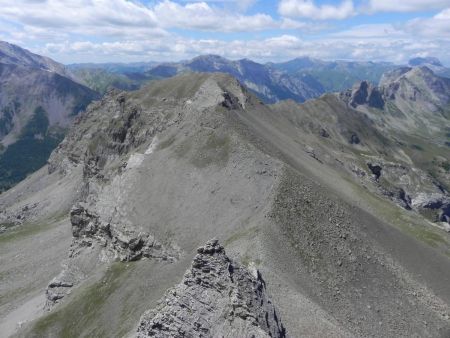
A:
x: 216, y: 298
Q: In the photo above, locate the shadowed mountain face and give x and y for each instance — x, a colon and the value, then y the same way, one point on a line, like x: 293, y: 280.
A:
x: 38, y: 101
x: 340, y: 209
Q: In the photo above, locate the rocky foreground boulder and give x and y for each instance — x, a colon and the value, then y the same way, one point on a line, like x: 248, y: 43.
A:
x: 216, y: 298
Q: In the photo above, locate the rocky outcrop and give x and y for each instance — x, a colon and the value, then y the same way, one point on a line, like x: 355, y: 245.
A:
x: 125, y: 245
x: 56, y: 290
x: 435, y: 203
x: 375, y: 169
x: 365, y: 93
x: 216, y: 298
x: 95, y: 240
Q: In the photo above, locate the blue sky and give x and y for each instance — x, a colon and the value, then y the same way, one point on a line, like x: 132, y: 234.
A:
x: 264, y: 30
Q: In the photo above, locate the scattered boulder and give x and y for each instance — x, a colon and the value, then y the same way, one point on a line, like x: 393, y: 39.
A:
x: 216, y: 298
x: 56, y: 290
x: 324, y: 133
x: 230, y: 101
x: 375, y: 169
x: 311, y: 152
x: 354, y: 139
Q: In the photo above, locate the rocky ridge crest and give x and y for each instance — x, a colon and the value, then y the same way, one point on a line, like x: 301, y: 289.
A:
x: 109, y: 144
x: 216, y: 298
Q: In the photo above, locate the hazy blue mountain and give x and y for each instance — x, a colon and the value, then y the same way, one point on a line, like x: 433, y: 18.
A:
x: 432, y: 63
x: 299, y: 79
x: 335, y: 75
x: 103, y: 76
x: 419, y: 61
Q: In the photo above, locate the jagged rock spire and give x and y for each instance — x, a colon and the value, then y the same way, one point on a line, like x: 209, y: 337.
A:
x: 216, y: 298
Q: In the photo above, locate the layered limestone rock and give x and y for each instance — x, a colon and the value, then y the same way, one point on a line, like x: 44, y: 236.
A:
x: 216, y: 298
x: 126, y: 245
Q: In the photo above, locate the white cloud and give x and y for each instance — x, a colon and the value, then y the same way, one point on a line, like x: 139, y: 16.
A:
x: 370, y: 31
x: 283, y: 47
x: 241, y: 5
x: 444, y: 15
x: 57, y: 13
x: 293, y: 24
x: 308, y: 9
x: 123, y: 17
x: 436, y: 26
x: 406, y: 5
x: 128, y: 30
x: 89, y: 17
x: 201, y: 16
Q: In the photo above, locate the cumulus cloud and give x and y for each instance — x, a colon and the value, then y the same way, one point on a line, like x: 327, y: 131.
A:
x: 371, y: 31
x: 406, y: 5
x: 122, y: 17
x: 201, y: 16
x: 241, y: 5
x: 282, y: 47
x: 129, y: 30
x: 436, y: 26
x: 90, y: 17
x: 444, y: 15
x: 308, y: 9
x: 60, y: 14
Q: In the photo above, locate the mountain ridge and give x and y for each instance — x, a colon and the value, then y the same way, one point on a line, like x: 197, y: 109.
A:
x: 162, y: 170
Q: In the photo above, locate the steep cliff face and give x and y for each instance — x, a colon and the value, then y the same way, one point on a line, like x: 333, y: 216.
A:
x: 216, y: 298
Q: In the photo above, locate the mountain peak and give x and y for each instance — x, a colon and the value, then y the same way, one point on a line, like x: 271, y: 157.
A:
x: 420, y: 71
x: 418, y: 61
x: 15, y: 55
x: 209, y: 57
x: 406, y: 72
x: 241, y: 307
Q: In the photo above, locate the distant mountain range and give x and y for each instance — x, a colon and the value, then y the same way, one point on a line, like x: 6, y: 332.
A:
x: 38, y: 100
x: 299, y: 79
